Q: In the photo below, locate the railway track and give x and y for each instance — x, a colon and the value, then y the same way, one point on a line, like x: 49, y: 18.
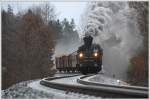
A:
x: 96, y: 89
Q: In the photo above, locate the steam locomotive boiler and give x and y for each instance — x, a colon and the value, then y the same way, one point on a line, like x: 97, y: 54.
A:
x: 87, y: 59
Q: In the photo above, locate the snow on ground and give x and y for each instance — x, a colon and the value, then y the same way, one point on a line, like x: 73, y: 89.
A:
x: 103, y: 79
x: 61, y: 94
x: 69, y: 80
x: 33, y: 90
x: 22, y: 91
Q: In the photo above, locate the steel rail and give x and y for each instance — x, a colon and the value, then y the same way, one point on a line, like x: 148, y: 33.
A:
x: 131, y: 90
x: 82, y: 81
x: 102, y: 91
x: 59, y: 77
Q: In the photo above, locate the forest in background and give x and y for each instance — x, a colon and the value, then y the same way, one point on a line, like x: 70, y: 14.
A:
x: 29, y: 38
x: 138, y: 72
x: 28, y: 42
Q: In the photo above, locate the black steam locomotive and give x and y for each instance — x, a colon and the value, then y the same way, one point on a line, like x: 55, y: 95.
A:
x: 87, y: 59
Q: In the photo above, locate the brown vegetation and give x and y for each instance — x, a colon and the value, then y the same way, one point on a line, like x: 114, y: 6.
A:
x: 26, y: 43
x: 138, y: 74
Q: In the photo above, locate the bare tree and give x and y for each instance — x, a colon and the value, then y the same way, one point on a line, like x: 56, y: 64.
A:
x: 46, y: 11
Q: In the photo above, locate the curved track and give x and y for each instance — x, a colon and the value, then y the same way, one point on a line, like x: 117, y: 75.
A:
x: 96, y: 89
x: 118, y: 89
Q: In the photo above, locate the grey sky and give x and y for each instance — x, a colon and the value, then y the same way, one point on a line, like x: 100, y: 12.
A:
x: 70, y: 9
x: 63, y: 9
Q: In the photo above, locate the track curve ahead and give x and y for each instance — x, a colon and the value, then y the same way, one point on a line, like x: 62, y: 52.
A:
x: 90, y: 88
x: 136, y: 91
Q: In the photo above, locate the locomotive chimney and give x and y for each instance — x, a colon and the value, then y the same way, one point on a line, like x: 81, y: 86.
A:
x: 88, y: 40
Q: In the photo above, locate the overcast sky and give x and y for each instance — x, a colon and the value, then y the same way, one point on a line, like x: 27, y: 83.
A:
x: 63, y: 9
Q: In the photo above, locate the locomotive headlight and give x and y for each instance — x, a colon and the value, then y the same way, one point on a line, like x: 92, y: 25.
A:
x: 95, y: 54
x: 81, y: 55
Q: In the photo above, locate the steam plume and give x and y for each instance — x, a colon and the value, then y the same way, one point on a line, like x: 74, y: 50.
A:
x: 114, y: 26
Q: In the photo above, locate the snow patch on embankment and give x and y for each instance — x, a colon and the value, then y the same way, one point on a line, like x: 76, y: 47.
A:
x: 33, y: 90
x: 22, y: 91
x: 104, y: 79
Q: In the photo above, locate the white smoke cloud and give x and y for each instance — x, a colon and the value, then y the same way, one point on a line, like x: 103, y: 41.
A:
x: 114, y: 26
x: 66, y: 48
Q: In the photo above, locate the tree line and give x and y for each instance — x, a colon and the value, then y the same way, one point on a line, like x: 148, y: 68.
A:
x: 28, y: 42
x: 138, y: 70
